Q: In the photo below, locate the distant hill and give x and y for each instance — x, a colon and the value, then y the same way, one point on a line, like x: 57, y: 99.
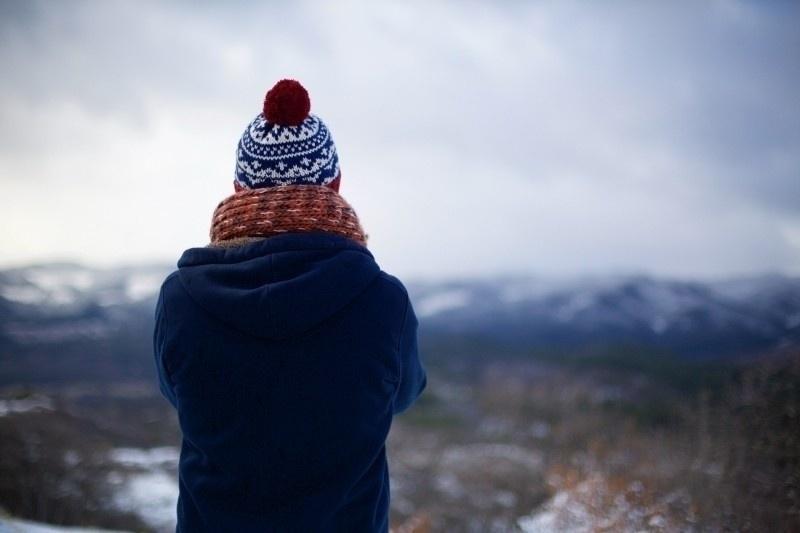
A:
x: 63, y: 322
x: 693, y: 319
x: 66, y: 322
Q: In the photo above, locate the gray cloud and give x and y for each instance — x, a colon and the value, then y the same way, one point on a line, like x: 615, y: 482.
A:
x: 568, y: 136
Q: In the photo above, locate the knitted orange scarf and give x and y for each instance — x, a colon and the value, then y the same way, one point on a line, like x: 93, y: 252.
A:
x: 257, y: 213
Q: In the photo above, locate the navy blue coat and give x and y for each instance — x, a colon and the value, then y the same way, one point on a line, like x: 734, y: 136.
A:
x: 285, y: 359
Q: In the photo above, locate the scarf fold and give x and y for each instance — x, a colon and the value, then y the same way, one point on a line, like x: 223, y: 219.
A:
x: 251, y: 214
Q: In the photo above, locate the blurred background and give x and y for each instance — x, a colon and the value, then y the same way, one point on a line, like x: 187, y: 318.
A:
x: 595, y: 207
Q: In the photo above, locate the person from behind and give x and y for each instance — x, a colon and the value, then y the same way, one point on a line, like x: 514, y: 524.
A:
x: 284, y: 347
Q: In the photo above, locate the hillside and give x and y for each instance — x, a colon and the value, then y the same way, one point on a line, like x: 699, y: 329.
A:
x: 62, y: 321
x: 553, y: 404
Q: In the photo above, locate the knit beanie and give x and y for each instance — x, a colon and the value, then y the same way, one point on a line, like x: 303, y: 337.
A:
x: 285, y: 144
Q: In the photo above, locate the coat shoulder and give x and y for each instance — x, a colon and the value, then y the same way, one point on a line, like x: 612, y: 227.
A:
x: 392, y: 281
x: 171, y: 288
x: 391, y: 297
x: 391, y: 287
x: 170, y: 283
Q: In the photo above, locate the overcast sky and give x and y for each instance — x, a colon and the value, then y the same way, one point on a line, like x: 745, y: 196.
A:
x: 474, y: 138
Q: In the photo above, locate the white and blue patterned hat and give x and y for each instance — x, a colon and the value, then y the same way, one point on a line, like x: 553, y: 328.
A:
x: 285, y: 144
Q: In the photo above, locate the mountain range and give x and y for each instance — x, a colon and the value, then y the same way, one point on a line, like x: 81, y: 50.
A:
x: 63, y: 321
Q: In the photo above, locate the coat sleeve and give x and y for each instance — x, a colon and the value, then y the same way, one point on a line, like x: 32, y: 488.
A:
x: 159, y: 350
x: 413, y: 378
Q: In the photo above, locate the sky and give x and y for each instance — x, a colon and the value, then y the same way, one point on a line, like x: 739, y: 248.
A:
x: 475, y: 138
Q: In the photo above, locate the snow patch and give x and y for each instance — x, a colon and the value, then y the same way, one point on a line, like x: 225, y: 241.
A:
x: 546, y: 521
x: 24, y: 405
x: 59, y: 279
x: 146, y: 457
x: 577, y: 303
x: 151, y: 490
x: 153, y: 496
x: 24, y: 294
x: 13, y: 525
x: 61, y: 286
x: 141, y: 286
x: 527, y: 290
x: 442, y: 301
x: 594, y: 505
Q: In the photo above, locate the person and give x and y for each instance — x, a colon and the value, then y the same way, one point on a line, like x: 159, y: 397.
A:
x: 284, y: 347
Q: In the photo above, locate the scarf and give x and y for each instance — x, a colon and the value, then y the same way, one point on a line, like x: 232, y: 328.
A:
x: 253, y: 214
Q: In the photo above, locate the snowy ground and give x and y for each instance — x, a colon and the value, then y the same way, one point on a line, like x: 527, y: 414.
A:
x: 10, y: 525
x: 591, y: 505
x: 147, y: 485
x: 523, y: 446
x: 144, y: 484
x: 25, y: 405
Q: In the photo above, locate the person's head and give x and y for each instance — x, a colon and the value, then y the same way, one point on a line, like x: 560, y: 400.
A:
x: 286, y: 145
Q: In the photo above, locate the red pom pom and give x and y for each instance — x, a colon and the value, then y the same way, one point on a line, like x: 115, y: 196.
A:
x: 287, y: 103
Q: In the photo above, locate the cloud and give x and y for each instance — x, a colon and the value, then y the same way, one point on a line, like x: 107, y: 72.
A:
x: 475, y: 138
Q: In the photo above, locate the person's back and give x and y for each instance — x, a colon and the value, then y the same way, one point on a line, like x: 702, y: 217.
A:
x: 284, y: 347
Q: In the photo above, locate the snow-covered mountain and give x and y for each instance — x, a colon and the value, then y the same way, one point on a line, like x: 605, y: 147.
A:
x: 66, y: 286
x: 60, y: 304
x: 63, y: 322
x: 55, y: 302
x: 732, y: 317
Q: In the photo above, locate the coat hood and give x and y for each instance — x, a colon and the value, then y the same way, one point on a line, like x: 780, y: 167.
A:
x: 280, y: 286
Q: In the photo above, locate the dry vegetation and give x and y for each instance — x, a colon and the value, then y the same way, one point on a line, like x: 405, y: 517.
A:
x: 510, y: 445
x: 616, y: 451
